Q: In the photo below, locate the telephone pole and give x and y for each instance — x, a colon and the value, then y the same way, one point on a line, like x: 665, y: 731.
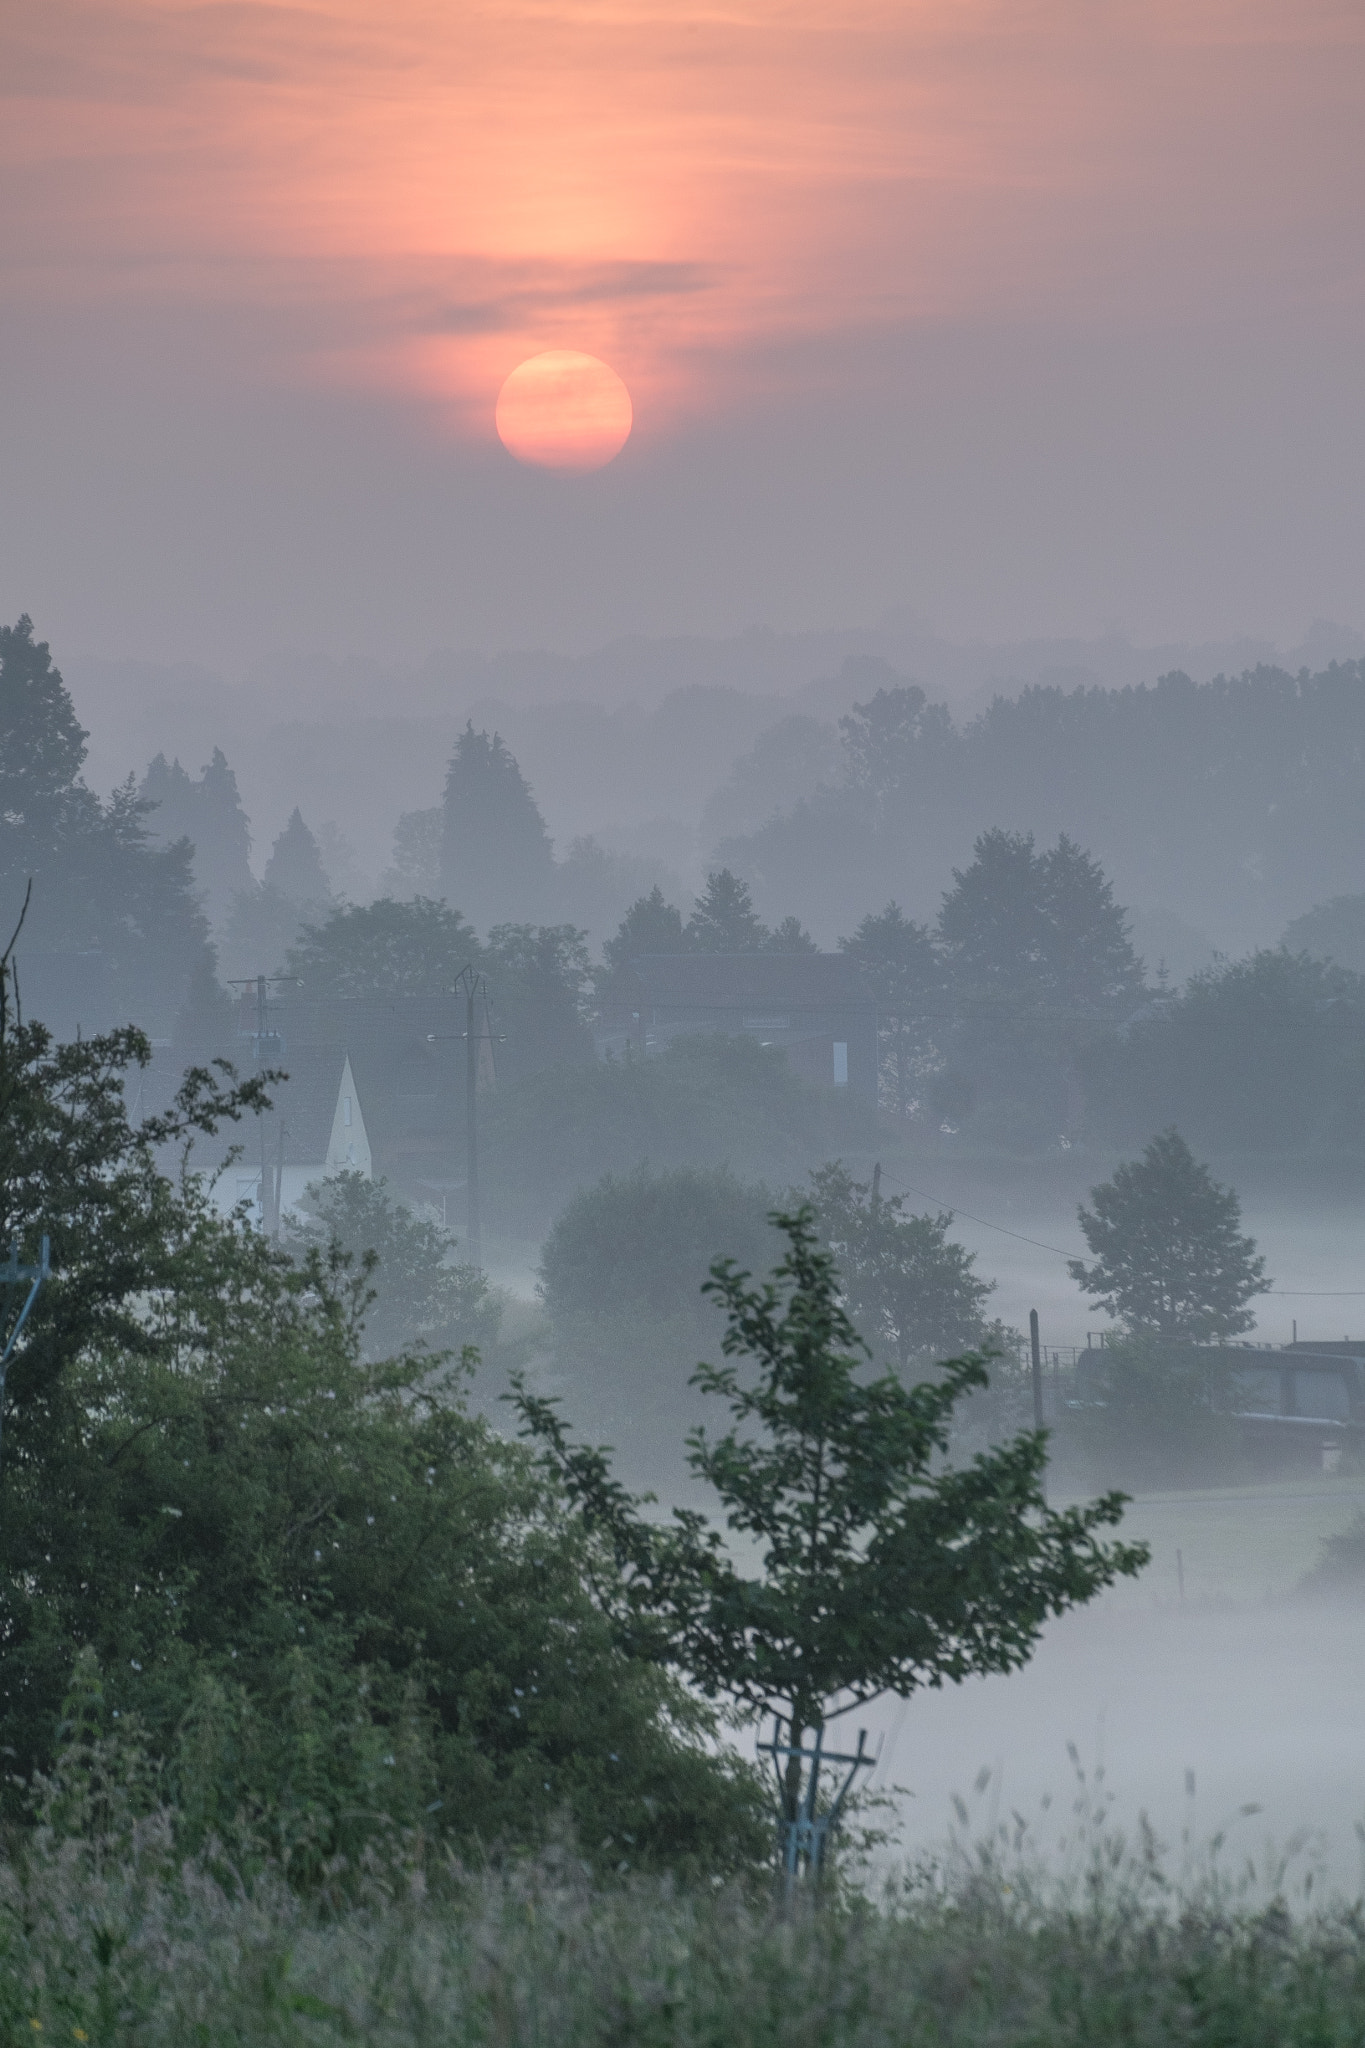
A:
x: 271, y: 1186
x: 474, y: 987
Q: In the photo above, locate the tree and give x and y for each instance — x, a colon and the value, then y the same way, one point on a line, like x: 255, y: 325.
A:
x: 724, y: 919
x: 385, y: 948
x: 537, y: 978
x: 423, y: 1300
x: 642, y: 1243
x: 496, y: 857
x: 1331, y: 931
x: 892, y: 741
x: 790, y: 936
x: 651, y: 925
x: 905, y: 1286
x: 1169, y: 1257
x: 879, y: 1568
x: 416, y: 868
x: 333, y: 1602
x: 208, y: 812
x: 113, y: 930
x: 904, y: 973
x: 295, y: 867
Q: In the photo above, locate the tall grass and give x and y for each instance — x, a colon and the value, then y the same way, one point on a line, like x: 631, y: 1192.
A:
x: 114, y: 1940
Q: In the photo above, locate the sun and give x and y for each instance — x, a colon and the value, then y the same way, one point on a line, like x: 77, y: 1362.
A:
x: 564, y: 411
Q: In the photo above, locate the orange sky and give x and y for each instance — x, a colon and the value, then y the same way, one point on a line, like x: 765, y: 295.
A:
x: 421, y: 194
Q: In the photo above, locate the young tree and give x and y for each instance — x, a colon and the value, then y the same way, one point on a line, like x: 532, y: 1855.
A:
x: 906, y: 1287
x: 423, y: 1299
x: 904, y: 973
x: 724, y: 920
x: 879, y: 1568
x: 1169, y: 1257
x: 385, y: 948
x: 495, y: 852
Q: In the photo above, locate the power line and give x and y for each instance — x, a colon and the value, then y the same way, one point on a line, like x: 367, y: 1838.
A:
x: 922, y: 1195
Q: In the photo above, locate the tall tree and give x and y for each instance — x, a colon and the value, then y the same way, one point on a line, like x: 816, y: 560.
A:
x: 496, y: 857
x: 724, y: 919
x: 876, y: 1567
x: 1169, y: 1256
x: 114, y: 929
x: 295, y: 866
x: 903, y: 971
x: 208, y: 812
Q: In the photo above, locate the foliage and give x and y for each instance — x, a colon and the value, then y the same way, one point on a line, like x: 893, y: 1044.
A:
x: 295, y: 866
x: 644, y: 1242
x: 986, y: 1947
x: 1169, y: 1258
x: 707, y: 1101
x: 336, y: 1604
x: 902, y: 968
x: 208, y: 812
x: 1331, y: 931
x: 891, y: 742
x: 537, y: 980
x: 651, y: 925
x: 907, y: 1289
x: 1263, y: 1053
x: 389, y: 948
x: 1339, y: 1572
x: 1040, y: 930
x: 416, y: 867
x: 1155, y: 1415
x: 881, y: 1569
x: 114, y: 929
x: 724, y: 919
x: 423, y: 1300
x: 495, y: 853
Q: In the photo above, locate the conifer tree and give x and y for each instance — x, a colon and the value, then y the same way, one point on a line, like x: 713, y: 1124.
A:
x: 496, y: 859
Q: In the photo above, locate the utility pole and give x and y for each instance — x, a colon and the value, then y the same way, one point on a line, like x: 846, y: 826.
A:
x: 474, y: 988
x: 1037, y: 1362
x: 269, y: 1189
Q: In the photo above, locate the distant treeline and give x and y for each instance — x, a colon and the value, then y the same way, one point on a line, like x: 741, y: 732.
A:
x: 1235, y: 803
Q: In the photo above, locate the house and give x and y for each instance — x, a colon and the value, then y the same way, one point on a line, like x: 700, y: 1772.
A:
x: 815, y: 1007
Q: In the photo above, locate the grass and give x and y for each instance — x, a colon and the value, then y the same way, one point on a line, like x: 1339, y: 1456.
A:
x: 1238, y: 1543
x: 121, y: 1945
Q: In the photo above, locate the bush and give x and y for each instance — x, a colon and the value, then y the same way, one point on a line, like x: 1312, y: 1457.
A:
x: 1156, y: 1418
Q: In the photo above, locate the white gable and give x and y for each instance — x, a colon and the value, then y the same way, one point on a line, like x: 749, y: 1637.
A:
x: 348, y: 1149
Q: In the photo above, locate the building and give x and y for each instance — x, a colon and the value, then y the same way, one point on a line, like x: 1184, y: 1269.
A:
x: 814, y: 1007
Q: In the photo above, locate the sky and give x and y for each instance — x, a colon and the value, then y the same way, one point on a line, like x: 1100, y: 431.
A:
x: 1027, y: 316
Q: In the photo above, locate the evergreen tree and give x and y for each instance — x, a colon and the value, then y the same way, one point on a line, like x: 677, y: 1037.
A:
x: 724, y: 919
x: 790, y: 936
x: 496, y: 857
x: 209, y: 814
x: 1169, y: 1257
x: 295, y: 866
x: 902, y: 969
x: 416, y: 866
x: 113, y: 928
x: 651, y: 925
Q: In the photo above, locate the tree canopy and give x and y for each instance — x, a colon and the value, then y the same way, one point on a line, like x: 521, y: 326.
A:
x: 411, y: 948
x: 496, y: 857
x: 878, y: 1567
x: 1169, y: 1258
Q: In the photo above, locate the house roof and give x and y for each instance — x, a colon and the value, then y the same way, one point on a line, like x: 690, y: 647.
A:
x: 750, y: 981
